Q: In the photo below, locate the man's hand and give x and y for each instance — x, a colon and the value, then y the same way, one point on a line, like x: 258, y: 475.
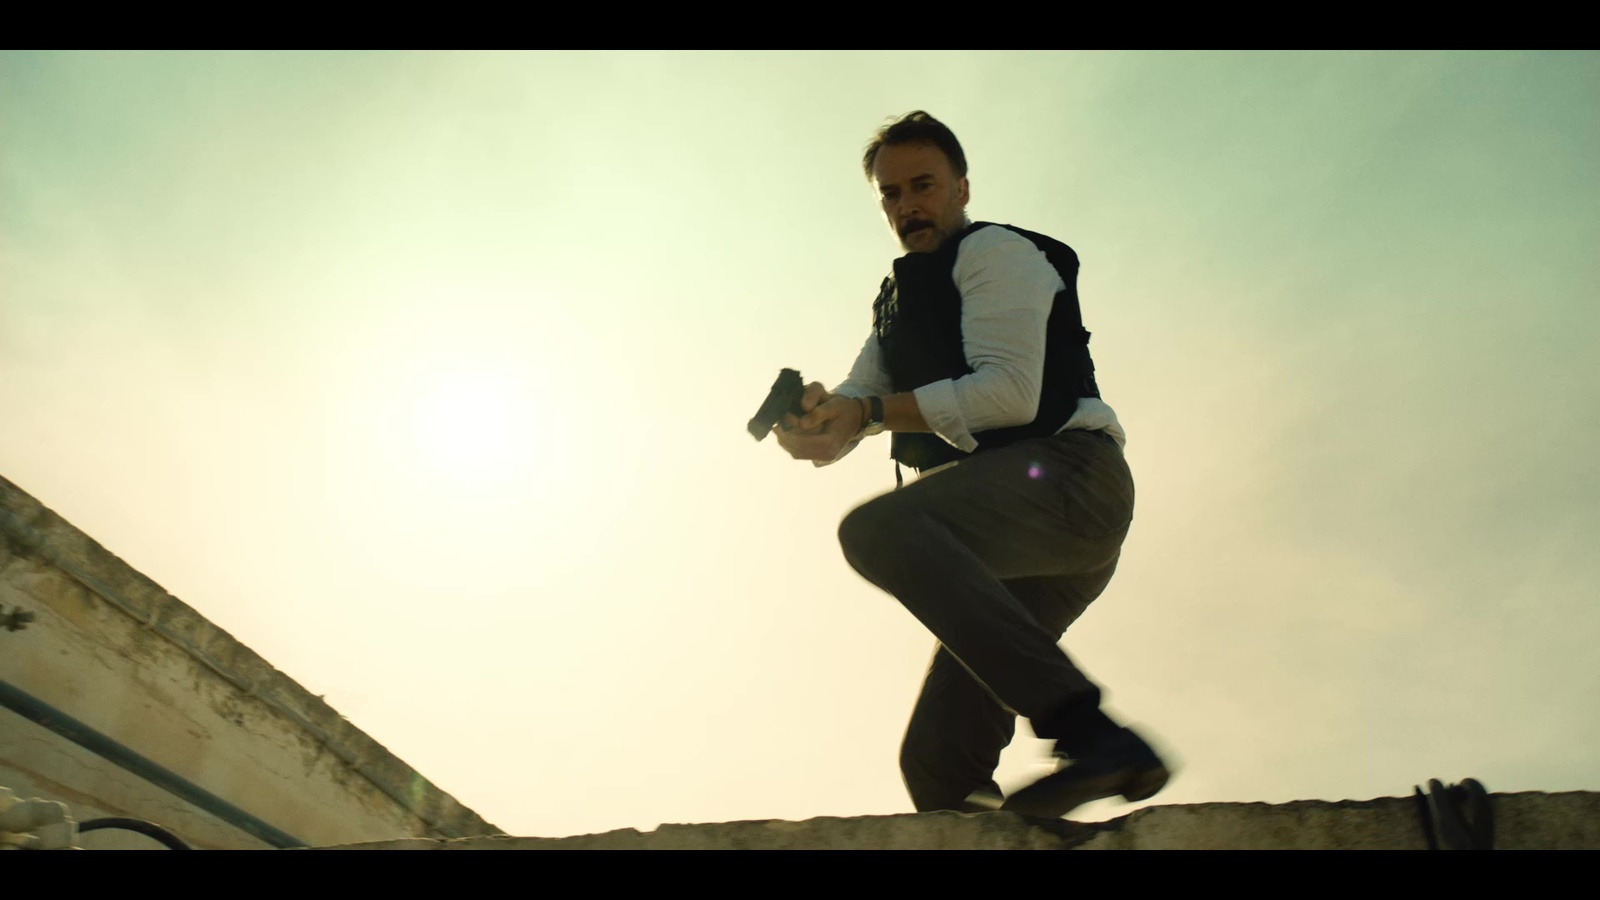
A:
x: 828, y: 425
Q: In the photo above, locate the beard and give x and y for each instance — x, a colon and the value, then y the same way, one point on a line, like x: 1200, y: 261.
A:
x: 921, y: 236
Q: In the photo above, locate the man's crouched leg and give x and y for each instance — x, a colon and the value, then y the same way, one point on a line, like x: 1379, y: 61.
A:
x: 971, y: 553
x: 957, y: 729
x: 954, y: 739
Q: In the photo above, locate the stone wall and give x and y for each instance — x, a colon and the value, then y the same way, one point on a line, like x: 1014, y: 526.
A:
x: 110, y: 648
x: 1528, y: 821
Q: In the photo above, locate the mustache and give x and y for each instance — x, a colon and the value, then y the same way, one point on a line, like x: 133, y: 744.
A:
x: 914, y: 225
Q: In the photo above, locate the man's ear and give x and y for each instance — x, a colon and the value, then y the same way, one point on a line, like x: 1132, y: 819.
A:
x: 965, y: 192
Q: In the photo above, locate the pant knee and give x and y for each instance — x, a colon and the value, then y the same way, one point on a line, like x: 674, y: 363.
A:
x: 862, y: 534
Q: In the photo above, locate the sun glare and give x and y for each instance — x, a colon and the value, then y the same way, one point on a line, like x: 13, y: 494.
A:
x: 474, y: 425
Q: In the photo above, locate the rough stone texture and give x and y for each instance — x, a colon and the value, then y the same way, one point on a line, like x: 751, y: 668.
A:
x: 925, y: 831
x: 1389, y: 823
x: 1527, y: 821
x: 112, y: 649
x: 1539, y: 821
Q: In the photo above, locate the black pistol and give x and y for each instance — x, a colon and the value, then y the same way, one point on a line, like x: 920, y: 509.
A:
x: 783, y: 398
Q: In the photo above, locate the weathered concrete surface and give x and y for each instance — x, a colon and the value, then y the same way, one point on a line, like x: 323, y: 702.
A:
x: 1526, y: 821
x: 112, y: 649
x: 925, y: 831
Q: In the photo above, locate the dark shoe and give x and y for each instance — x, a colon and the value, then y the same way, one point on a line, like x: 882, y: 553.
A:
x: 1121, y: 765
x: 1457, y: 817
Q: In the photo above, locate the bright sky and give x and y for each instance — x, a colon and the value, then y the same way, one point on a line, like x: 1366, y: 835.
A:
x: 426, y: 376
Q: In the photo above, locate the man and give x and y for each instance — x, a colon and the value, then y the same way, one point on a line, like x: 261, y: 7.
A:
x: 978, y: 364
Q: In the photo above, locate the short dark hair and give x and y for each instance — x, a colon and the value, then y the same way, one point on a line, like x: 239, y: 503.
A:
x: 916, y: 127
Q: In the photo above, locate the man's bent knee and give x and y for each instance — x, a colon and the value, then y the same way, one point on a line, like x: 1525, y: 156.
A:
x: 865, y: 533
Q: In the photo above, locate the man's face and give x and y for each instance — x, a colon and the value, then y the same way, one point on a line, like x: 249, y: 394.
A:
x: 923, y: 200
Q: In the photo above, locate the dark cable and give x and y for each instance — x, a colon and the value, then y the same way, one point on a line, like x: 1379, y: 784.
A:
x: 37, y: 711
x: 148, y: 829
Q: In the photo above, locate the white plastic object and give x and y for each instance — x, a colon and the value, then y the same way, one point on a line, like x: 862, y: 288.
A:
x: 35, y: 824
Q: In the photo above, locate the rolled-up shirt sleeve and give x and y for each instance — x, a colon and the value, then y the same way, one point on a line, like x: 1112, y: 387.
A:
x: 868, y: 377
x: 1007, y: 290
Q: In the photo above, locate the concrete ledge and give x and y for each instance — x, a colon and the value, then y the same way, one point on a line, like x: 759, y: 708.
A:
x: 112, y: 649
x: 1524, y: 821
x: 925, y: 831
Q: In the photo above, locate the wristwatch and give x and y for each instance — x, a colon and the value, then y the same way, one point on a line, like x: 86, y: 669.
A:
x: 874, y: 420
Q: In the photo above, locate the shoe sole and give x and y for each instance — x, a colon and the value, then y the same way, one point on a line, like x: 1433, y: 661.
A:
x: 1147, y: 784
x: 1054, y: 797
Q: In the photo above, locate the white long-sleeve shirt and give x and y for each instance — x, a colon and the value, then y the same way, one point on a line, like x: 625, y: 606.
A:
x: 1007, y: 288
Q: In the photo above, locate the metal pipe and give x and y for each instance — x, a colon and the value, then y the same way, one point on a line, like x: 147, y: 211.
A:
x: 13, y: 525
x: 42, y: 713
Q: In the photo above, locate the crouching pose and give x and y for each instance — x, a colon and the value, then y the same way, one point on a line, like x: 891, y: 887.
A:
x: 978, y: 364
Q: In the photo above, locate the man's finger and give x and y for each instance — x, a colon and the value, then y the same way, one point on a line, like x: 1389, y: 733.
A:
x: 815, y: 395
x: 813, y: 421
x: 824, y: 415
x: 813, y: 447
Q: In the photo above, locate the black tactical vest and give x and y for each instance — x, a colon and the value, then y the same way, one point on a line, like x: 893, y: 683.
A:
x: 917, y: 318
